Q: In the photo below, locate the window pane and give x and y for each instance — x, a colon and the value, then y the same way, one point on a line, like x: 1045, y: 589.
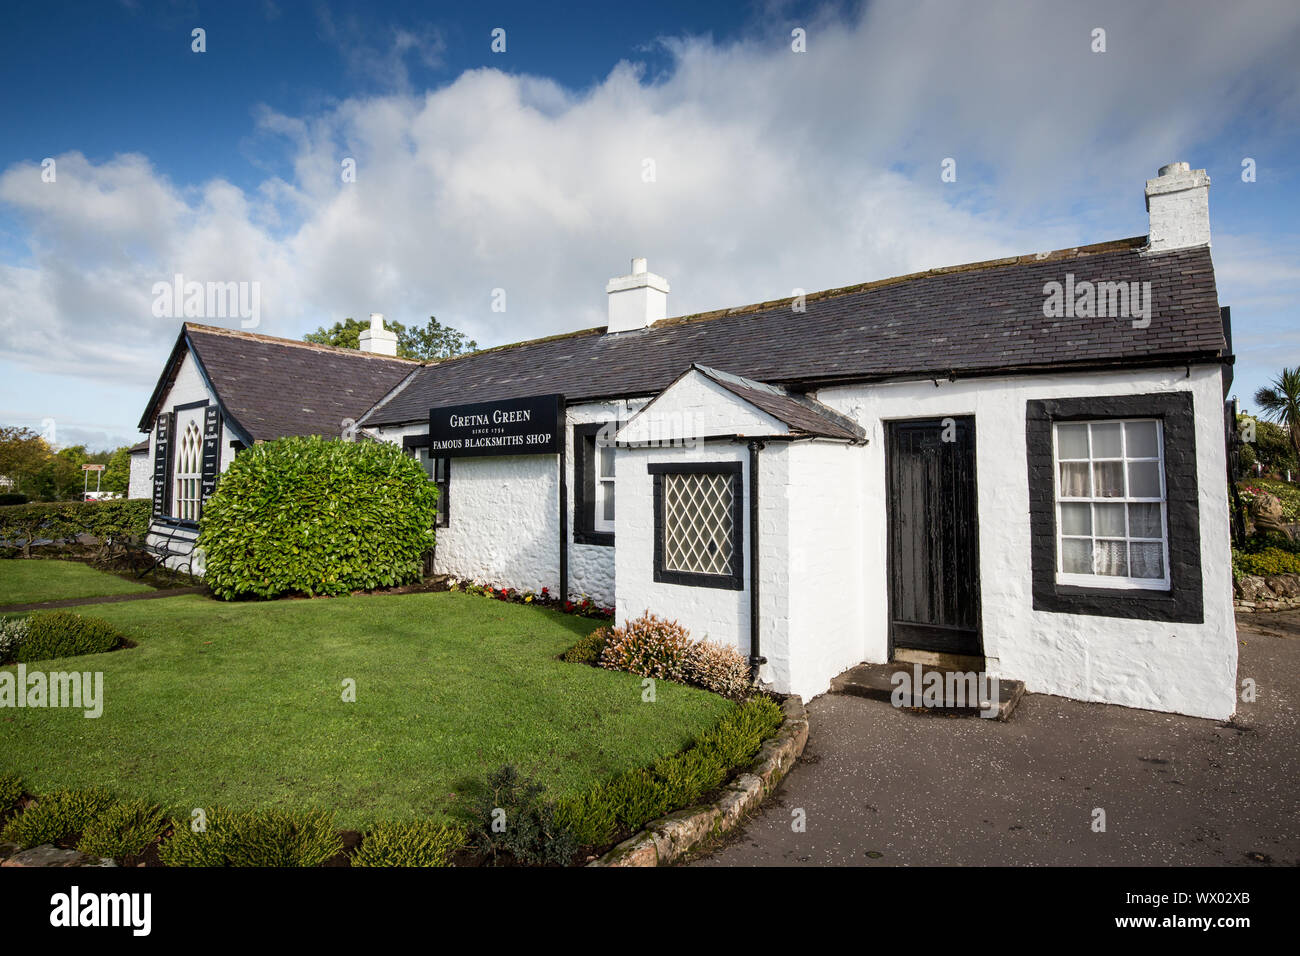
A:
x: 1107, y: 441
x: 697, y: 523
x: 1112, y: 558
x: 1076, y: 555
x: 1141, y: 438
x: 1143, y: 479
x: 1144, y: 521
x: 607, y: 502
x: 1108, y: 479
x: 607, y: 462
x: 1074, y: 480
x: 1147, y: 560
x: 1110, y: 519
x: 1076, y: 519
x: 1072, y: 441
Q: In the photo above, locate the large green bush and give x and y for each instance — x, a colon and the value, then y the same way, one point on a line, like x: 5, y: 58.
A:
x: 105, y: 520
x: 64, y: 634
x: 316, y: 516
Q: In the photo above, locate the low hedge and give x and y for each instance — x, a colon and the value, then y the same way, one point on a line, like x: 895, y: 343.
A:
x: 316, y: 516
x: 11, y: 791
x: 530, y: 828
x: 254, y: 838
x: 636, y: 797
x: 408, y: 843
x: 64, y: 634
x: 57, y: 816
x: 124, y: 830
x: 106, y: 520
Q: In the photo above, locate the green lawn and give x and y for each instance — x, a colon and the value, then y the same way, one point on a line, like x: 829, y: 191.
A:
x: 241, y: 704
x: 26, y: 581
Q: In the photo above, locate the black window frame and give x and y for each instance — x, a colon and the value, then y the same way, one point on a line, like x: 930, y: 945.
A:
x: 1183, y: 602
x: 584, y: 485
x: 731, y: 582
x: 409, y: 445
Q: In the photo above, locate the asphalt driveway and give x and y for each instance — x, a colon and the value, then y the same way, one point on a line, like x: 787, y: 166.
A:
x: 878, y: 786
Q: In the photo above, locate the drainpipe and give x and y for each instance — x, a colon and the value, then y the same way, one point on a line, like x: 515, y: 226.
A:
x: 756, y: 659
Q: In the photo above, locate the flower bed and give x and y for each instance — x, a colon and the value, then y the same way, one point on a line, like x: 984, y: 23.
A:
x: 542, y: 598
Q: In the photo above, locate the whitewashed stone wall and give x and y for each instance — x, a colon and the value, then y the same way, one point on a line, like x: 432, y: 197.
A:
x: 715, y: 614
x: 504, y: 517
x: 1184, y: 668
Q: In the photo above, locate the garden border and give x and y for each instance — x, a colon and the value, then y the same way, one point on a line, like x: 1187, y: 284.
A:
x: 671, y: 837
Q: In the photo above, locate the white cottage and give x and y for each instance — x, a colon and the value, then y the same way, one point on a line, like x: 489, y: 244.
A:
x: 1018, y: 465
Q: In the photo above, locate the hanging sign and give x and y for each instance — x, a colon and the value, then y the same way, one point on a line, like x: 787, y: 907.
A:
x: 513, y: 426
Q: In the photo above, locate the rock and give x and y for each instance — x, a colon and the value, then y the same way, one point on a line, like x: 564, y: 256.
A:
x: 640, y: 850
x: 1253, y: 589
x: 49, y: 855
x: 7, y: 850
x: 745, y: 792
x: 1284, y: 585
x: 678, y: 832
x: 1268, y: 514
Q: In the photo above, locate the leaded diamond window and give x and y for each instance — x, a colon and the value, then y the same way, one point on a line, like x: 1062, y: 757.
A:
x: 698, y: 518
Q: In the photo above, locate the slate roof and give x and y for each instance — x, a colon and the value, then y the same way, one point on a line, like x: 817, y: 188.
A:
x: 981, y: 318
x: 274, y: 387
x: 801, y: 413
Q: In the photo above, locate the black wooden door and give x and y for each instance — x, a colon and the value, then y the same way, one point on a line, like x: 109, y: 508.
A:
x: 933, y: 535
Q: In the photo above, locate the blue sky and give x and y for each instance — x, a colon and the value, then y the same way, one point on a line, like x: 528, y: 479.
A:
x: 523, y: 170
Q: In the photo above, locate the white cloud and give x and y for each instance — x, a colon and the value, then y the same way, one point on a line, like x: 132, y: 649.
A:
x: 775, y: 170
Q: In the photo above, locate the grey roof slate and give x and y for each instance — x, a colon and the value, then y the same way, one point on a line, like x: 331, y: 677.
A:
x: 981, y: 318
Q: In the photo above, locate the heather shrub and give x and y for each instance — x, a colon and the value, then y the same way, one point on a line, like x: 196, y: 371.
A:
x: 64, y: 634
x: 516, y: 818
x: 299, y: 838
x: 408, y: 843
x: 11, y: 791
x: 56, y: 816
x: 649, y: 646
x: 719, y: 668
x: 589, y: 649
x: 124, y: 830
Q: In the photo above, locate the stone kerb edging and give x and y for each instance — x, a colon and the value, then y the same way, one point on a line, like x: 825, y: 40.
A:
x: 669, y: 838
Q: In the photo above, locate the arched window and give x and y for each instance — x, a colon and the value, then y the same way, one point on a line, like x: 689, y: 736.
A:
x: 189, y: 472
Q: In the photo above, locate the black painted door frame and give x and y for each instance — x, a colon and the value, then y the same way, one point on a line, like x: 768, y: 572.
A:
x: 932, y: 516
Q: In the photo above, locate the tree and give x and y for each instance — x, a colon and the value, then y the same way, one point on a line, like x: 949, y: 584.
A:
x: 433, y: 341
x: 1280, y: 402
x: 117, y: 476
x: 438, y: 341
x: 23, y: 454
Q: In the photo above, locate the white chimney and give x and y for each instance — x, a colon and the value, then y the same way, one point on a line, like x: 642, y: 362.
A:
x: 637, y: 300
x: 1178, y: 204
x: 378, y: 339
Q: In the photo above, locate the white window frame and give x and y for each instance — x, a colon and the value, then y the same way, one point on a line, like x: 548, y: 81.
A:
x: 189, y: 465
x: 1096, y: 580
x: 604, y: 486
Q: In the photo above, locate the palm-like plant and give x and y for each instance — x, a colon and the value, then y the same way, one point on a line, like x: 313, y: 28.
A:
x: 1280, y: 402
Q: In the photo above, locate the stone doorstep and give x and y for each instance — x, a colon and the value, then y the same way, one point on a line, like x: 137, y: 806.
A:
x: 874, y: 682
x: 670, y: 838
x: 48, y: 855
